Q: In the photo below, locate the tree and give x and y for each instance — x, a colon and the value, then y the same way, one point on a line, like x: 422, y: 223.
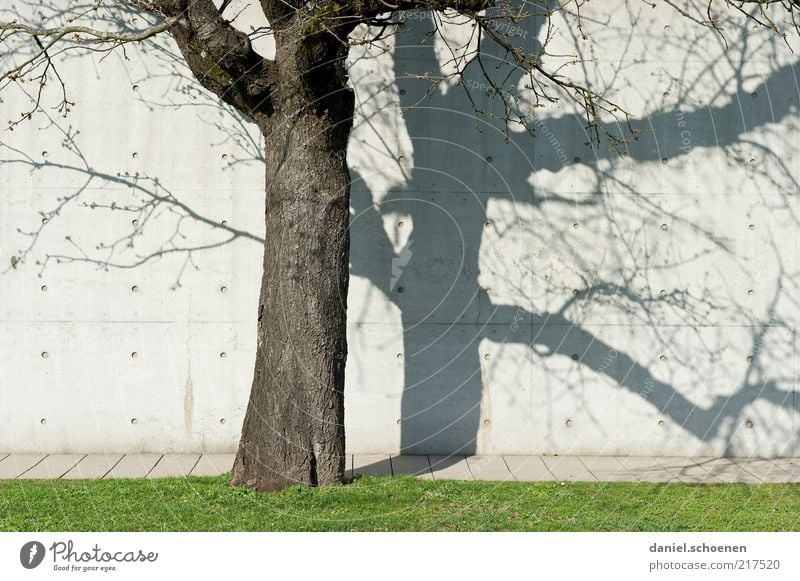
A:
x: 302, y: 104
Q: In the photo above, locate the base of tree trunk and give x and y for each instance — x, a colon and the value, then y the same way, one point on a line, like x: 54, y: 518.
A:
x: 262, y: 478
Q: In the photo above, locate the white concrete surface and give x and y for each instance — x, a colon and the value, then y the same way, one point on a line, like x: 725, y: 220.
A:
x: 528, y: 468
x: 15, y: 465
x: 536, y: 297
x: 213, y: 464
x: 489, y: 468
x: 134, y: 466
x: 93, y: 466
x: 370, y: 465
x: 174, y: 465
x: 568, y: 468
x: 53, y: 466
x: 450, y: 468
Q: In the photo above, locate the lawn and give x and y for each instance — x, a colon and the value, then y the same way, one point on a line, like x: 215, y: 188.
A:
x: 395, y: 504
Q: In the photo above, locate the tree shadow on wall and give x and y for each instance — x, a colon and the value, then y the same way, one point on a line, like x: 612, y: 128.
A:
x: 558, y: 298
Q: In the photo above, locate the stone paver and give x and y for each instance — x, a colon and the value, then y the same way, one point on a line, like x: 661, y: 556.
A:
x: 606, y: 468
x: 450, y: 468
x: 372, y: 465
x: 415, y: 465
x: 93, y: 466
x: 172, y: 465
x: 698, y: 470
x: 687, y: 470
x: 134, y: 466
x: 789, y: 465
x: 568, y: 468
x: 529, y: 468
x: 15, y: 464
x: 53, y: 466
x: 764, y: 469
x: 213, y: 464
x: 647, y: 469
x: 489, y: 468
x: 726, y: 470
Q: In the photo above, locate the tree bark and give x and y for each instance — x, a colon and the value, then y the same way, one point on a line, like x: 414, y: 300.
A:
x: 293, y: 430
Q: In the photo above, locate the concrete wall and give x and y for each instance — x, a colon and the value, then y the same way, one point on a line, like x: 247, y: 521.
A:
x: 541, y: 295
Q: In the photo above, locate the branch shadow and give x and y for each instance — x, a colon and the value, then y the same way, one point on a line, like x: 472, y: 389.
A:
x: 152, y: 220
x: 481, y: 246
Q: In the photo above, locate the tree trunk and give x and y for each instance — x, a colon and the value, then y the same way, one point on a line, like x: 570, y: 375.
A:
x: 293, y: 430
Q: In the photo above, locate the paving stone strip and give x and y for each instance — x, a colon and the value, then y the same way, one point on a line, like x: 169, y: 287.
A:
x: 700, y: 470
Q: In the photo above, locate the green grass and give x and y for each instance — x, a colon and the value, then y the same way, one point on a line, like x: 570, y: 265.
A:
x: 395, y: 504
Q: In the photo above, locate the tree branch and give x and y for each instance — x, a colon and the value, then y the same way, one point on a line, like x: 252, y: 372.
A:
x: 223, y: 60
x: 219, y: 55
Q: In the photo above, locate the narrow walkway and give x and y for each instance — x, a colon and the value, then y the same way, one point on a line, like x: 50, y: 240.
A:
x: 520, y: 468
